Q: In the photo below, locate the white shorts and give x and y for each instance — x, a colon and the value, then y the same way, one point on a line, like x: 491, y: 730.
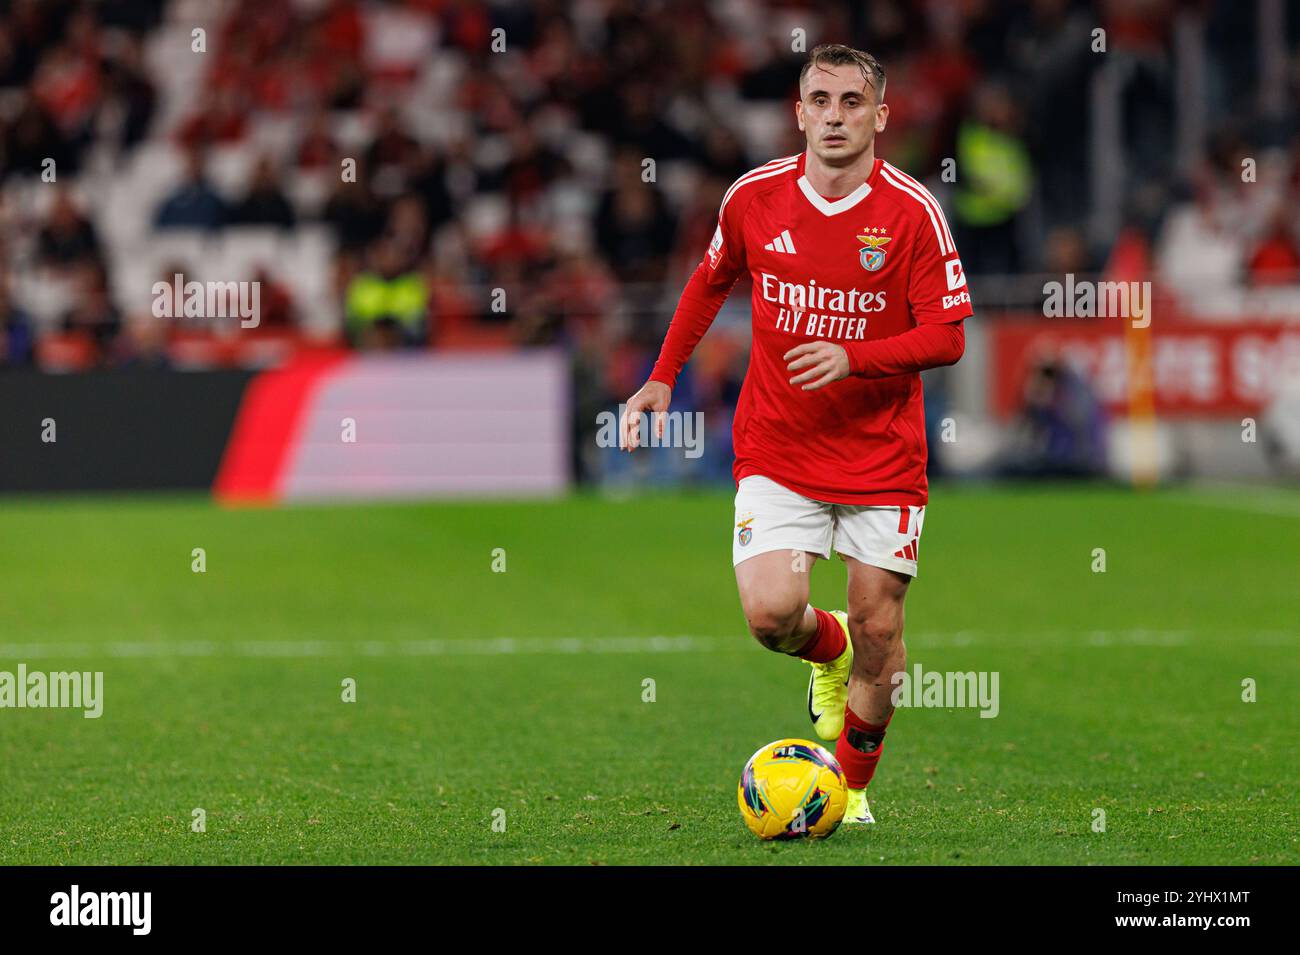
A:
x: 771, y: 517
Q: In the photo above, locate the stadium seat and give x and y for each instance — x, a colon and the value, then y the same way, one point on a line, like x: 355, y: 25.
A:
x: 198, y: 349
x: 265, y: 349
x: 64, y: 352
x: 243, y: 249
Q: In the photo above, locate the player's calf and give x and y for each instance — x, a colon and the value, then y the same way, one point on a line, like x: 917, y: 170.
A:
x: 876, y: 631
x: 878, y: 653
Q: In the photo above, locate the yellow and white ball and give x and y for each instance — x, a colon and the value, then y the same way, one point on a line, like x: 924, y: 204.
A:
x: 792, y: 789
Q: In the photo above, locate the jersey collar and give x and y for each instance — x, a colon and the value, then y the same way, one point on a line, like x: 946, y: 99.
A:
x: 833, y: 207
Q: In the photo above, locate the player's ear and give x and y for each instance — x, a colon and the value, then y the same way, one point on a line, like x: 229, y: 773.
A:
x: 882, y: 117
x: 798, y: 114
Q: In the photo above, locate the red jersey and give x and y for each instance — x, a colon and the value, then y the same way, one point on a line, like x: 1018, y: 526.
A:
x: 871, y: 265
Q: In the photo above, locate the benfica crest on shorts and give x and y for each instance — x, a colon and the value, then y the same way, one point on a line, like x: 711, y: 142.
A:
x: 873, y: 256
x: 746, y: 532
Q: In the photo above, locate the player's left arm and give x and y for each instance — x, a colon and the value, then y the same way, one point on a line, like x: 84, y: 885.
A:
x: 939, y: 302
x: 919, y: 348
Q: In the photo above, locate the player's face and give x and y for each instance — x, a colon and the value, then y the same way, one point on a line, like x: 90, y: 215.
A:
x: 838, y: 114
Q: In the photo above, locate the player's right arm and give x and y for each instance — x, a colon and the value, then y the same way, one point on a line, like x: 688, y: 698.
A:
x: 709, y: 286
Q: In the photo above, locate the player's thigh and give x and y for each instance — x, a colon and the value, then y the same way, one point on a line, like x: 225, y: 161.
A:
x: 773, y: 586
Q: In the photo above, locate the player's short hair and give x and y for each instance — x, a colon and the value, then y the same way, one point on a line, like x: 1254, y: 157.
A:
x: 837, y: 54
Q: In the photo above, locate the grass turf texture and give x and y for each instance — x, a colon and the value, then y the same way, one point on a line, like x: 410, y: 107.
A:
x: 1119, y: 690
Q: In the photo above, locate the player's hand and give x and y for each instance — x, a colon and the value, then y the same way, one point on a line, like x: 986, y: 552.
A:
x: 653, y: 396
x: 824, y: 362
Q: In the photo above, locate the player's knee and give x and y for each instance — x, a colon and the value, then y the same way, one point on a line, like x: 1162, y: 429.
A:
x: 774, y: 627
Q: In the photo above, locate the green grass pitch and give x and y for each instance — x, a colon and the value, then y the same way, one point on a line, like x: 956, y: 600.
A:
x: 523, y: 690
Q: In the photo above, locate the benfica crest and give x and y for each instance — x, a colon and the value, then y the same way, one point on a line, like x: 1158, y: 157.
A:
x: 746, y: 532
x: 873, y: 256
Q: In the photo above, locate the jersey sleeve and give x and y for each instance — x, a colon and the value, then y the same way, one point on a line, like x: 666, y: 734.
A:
x: 931, y: 345
x: 936, y: 285
x: 724, y: 260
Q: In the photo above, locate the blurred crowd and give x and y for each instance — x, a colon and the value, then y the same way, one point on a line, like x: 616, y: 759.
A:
x: 481, y: 167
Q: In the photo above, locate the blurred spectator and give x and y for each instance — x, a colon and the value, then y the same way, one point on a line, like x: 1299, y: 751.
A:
x: 429, y: 180
x: 387, y: 304
x: 316, y: 146
x: 994, y: 182
x: 1061, y: 430
x: 1066, y: 251
x: 143, y: 342
x: 277, y: 311
x: 518, y: 249
x: 530, y: 170
x: 722, y: 153
x: 265, y: 202
x: 93, y: 313
x: 195, y: 204
x: 392, y: 151
x: 11, y: 64
x: 342, y: 29
x: 130, y: 98
x: 1275, y: 259
x: 1200, y: 246
x: 221, y: 117
x: 15, y: 329
x: 68, y: 238
x: 408, y: 229
x: 31, y: 138
x: 698, y: 220
x: 354, y: 211
x: 582, y: 290
x: 66, y: 83
x: 634, y: 228
x: 1047, y: 44
x: 133, y: 16
x: 636, y: 124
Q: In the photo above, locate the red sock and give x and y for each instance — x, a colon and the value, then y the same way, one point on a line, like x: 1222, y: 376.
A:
x: 858, y: 749
x: 827, y: 643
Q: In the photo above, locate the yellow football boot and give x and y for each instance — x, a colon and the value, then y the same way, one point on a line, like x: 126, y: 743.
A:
x: 857, y: 812
x: 828, y: 687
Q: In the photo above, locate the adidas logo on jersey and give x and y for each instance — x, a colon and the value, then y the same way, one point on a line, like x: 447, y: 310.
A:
x: 782, y: 243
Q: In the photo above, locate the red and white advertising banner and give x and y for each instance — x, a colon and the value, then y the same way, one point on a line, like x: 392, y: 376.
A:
x: 341, y: 425
x: 1200, y: 370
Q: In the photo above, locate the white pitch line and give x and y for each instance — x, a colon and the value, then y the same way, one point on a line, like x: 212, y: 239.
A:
x: 310, y: 649
x: 572, y: 646
x: 1284, y: 507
